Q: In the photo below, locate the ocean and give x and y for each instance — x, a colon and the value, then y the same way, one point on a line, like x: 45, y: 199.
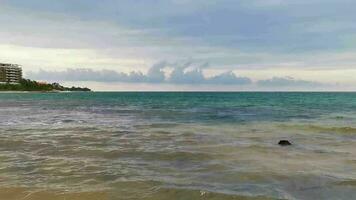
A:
x: 177, y: 145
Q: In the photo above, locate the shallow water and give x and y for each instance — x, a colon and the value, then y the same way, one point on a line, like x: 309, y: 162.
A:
x: 177, y: 146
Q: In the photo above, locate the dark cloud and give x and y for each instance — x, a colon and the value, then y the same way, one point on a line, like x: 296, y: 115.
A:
x: 155, y: 74
x: 88, y: 75
x: 229, y: 78
x: 185, y: 73
x: 181, y: 74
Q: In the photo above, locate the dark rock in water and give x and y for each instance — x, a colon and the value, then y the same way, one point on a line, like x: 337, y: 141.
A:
x: 284, y: 143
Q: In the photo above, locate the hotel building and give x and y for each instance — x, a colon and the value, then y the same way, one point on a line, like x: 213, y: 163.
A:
x: 10, y: 73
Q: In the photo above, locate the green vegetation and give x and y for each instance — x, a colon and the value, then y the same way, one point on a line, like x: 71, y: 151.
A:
x: 29, y: 85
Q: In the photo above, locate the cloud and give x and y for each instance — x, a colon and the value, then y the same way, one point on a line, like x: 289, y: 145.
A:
x: 229, y: 78
x: 287, y: 82
x: 83, y: 74
x: 268, y: 35
x: 180, y: 75
x: 187, y: 73
x: 156, y: 74
x: 259, y: 25
x: 264, y: 33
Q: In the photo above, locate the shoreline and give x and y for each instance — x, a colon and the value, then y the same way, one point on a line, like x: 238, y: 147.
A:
x: 22, y: 92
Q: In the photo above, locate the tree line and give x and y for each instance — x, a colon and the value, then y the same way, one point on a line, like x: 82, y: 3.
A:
x: 30, y: 85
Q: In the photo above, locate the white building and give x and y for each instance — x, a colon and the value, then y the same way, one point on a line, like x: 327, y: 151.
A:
x: 10, y: 73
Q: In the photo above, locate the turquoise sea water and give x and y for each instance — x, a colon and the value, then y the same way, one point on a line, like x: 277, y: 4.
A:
x: 176, y: 145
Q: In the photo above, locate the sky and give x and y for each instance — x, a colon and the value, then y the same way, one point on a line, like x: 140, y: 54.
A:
x: 223, y: 45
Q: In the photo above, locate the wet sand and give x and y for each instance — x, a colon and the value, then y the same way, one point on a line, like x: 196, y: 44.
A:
x: 28, y: 194
x: 18, y: 193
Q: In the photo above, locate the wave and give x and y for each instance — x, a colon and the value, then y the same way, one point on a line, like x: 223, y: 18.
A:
x: 325, y: 129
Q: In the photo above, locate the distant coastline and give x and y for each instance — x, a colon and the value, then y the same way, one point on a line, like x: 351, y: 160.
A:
x: 27, y: 85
